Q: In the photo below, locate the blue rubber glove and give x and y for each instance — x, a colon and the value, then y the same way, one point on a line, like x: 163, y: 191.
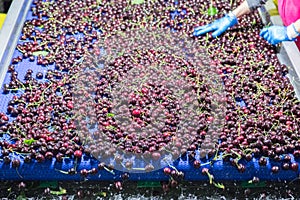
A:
x: 277, y: 34
x: 219, y: 26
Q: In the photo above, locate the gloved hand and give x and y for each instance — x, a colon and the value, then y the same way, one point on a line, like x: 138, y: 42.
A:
x: 219, y: 26
x: 277, y: 34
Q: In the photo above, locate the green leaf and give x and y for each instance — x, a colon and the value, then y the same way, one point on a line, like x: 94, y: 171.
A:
x: 212, y: 11
x: 42, y: 53
x: 49, y: 184
x: 29, y: 141
x: 110, y: 114
x: 111, y: 128
x: 219, y: 185
x: 137, y: 1
x: 60, y: 192
x: 250, y: 184
x: 210, y: 177
x: 21, y: 197
x: 101, y: 194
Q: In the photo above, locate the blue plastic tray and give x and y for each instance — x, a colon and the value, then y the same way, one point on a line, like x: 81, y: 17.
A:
x: 52, y: 170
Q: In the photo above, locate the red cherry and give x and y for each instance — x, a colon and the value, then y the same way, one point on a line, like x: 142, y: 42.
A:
x: 156, y: 155
x: 166, y: 134
x: 210, y: 119
x: 49, y: 138
x: 145, y: 90
x: 70, y: 105
x: 105, y: 124
x: 136, y: 113
x: 197, y: 164
x: 97, y: 52
x: 294, y: 166
x: 229, y: 70
x: 204, y: 171
x: 4, y: 118
x: 78, y: 154
x: 167, y: 170
x: 84, y: 172
x: 275, y: 169
x: 246, y: 111
x: 118, y: 185
x: 219, y: 71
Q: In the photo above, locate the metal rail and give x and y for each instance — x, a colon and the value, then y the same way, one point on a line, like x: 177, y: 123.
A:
x: 10, y: 32
x: 290, y: 56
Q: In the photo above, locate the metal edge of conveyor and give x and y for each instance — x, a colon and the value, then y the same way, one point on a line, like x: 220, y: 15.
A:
x: 288, y: 53
x: 290, y: 56
x: 10, y: 32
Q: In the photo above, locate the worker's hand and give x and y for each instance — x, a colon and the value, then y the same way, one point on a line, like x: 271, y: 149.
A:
x: 219, y: 26
x: 277, y: 34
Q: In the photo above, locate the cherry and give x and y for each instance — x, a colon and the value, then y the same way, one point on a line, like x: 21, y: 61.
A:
x: 180, y: 175
x: 16, y: 163
x: 118, y: 185
x: 241, y: 168
x: 21, y: 186
x: 287, y: 158
x: 4, y: 118
x: 84, y: 172
x: 173, y: 183
x: 296, y: 153
x: 255, y: 179
x: 6, y: 159
x: 40, y: 158
x: 101, y: 166
x: 156, y: 156
x: 27, y: 159
x: 197, y: 164
x: 77, y: 154
x: 205, y: 171
x: 128, y: 165
x: 294, y: 166
x: 136, y: 113
x: 275, y: 169
x: 72, y: 171
x: 262, y: 161
x: 39, y: 75
x: 125, y: 176
x: 248, y: 157
x: 49, y: 155
x: 285, y: 166
x: 93, y: 171
x: 149, y: 168
x: 59, y: 157
x: 80, y: 194
x: 167, y: 171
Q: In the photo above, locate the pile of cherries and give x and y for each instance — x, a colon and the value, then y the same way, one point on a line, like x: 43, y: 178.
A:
x: 261, y: 117
x: 140, y: 113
